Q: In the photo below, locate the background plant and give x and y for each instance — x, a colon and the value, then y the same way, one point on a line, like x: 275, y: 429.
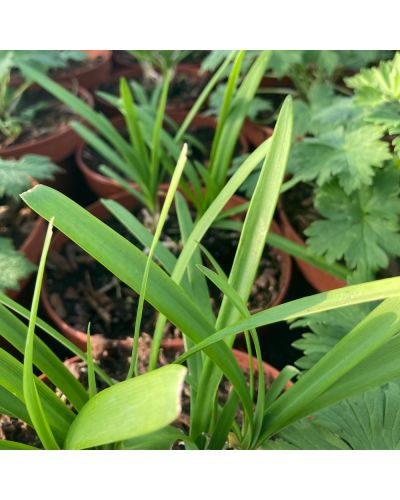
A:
x: 15, y: 113
x: 15, y: 177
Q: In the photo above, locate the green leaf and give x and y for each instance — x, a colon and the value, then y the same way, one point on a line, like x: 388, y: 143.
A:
x: 377, y: 85
x: 369, y: 421
x: 363, y: 228
x: 113, y: 251
x: 362, y: 341
x: 128, y: 410
x: 159, y: 440
x: 324, y: 332
x: 14, y: 266
x: 14, y: 331
x: 13, y: 445
x: 31, y: 396
x: 306, y: 435
x: 350, y: 295
x: 16, y: 175
x: 350, y: 155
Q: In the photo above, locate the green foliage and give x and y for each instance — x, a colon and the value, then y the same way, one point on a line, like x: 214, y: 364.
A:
x: 41, y: 59
x: 15, y: 114
x: 14, y: 266
x: 339, y: 154
x: 16, y: 175
x: 369, y: 421
x: 257, y: 105
x: 362, y: 227
x: 378, y: 90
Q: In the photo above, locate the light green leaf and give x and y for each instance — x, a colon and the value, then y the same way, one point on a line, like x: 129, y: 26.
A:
x: 128, y: 410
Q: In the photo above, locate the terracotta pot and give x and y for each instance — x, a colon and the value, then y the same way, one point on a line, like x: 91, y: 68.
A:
x: 320, y: 280
x: 94, y: 75
x: 272, y: 81
x: 57, y: 146
x: 79, y: 338
x: 105, y: 187
x: 256, y: 134
x: 84, y: 76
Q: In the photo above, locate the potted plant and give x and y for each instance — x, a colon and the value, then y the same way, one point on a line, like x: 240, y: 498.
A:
x: 106, y: 419
x: 31, y: 121
x: 347, y: 204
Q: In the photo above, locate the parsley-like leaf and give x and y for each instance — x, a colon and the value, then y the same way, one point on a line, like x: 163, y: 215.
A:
x: 14, y: 266
x: 363, y: 228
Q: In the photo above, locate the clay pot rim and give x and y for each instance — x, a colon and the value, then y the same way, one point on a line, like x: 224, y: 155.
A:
x: 80, y: 337
x: 104, y: 58
x: 48, y: 139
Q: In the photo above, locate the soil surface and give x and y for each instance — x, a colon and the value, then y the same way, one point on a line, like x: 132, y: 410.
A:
x: 298, y: 204
x: 16, y: 221
x: 50, y: 116
x: 13, y: 429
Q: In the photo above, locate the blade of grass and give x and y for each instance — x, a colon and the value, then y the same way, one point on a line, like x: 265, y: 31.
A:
x: 14, y: 331
x: 113, y: 251
x: 163, y: 216
x: 306, y: 306
x: 53, y: 374
x: 203, y: 96
x: 32, y: 401
x: 90, y: 366
x: 370, y: 334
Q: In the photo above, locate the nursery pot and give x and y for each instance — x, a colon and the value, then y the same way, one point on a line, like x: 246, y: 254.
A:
x: 105, y: 187
x: 320, y: 280
x: 98, y: 210
x: 57, y: 146
x: 90, y: 77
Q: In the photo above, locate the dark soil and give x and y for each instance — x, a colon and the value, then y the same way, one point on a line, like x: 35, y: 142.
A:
x: 50, y: 118
x: 298, y: 204
x: 81, y: 291
x: 13, y: 429
x: 16, y: 221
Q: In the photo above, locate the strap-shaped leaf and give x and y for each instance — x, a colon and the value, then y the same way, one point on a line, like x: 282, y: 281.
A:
x: 128, y: 410
x: 127, y: 263
x: 14, y: 331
